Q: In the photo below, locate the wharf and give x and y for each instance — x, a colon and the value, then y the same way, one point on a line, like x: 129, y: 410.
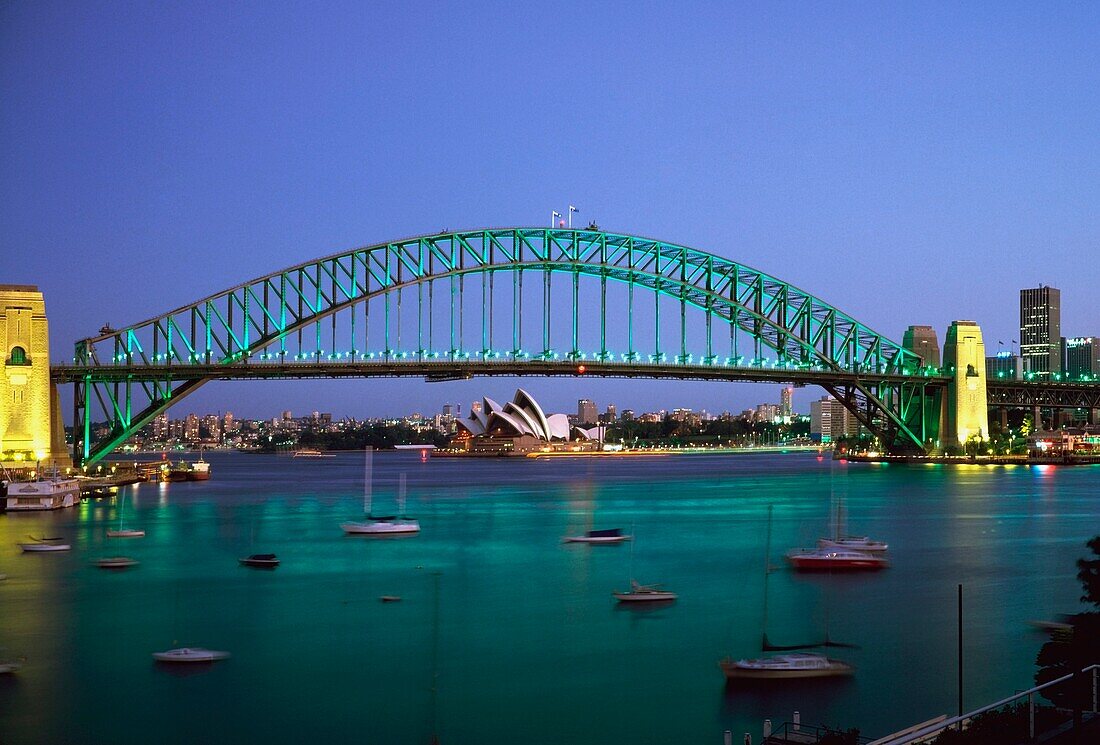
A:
x: 968, y: 460
x: 99, y: 485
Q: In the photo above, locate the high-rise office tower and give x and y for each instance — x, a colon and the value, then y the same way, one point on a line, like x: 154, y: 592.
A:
x: 586, y: 412
x: 922, y: 340
x: 1082, y: 357
x: 786, y: 402
x: 1041, y: 331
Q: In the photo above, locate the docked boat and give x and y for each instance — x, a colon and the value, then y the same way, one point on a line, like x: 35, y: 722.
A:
x: 389, y: 525
x: 116, y: 562
x: 9, y: 667
x: 200, y: 470
x: 311, y: 453
x: 190, y: 654
x: 606, y: 535
x: 853, y: 543
x: 43, y: 494
x: 785, y: 667
x: 835, y: 559
x: 640, y: 593
x: 263, y: 561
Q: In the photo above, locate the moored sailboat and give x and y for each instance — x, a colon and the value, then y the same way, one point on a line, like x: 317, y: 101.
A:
x: 787, y: 665
x: 390, y: 525
x: 124, y: 532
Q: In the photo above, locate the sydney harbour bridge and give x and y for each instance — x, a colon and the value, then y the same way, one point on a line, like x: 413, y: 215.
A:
x: 520, y: 301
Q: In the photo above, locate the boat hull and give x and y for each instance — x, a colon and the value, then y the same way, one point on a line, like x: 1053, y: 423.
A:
x: 41, y: 548
x: 807, y: 564
x: 733, y: 671
x: 596, y: 539
x: 118, y: 562
x: 126, y: 533
x: 260, y: 563
x: 189, y: 656
x: 381, y: 528
x: 644, y: 597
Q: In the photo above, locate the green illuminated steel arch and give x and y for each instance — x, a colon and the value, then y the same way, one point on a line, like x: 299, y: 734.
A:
x: 286, y: 316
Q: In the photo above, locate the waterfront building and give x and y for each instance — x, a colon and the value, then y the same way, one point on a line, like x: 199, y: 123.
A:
x: 830, y: 421
x: 1041, y: 331
x: 586, y: 413
x: 519, y: 427
x: 1083, y: 357
x: 922, y: 340
x: 1005, y: 366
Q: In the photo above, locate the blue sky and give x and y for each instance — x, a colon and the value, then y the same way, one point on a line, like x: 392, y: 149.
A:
x: 909, y: 163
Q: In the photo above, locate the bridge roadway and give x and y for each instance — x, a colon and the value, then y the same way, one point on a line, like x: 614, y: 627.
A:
x: 440, y: 370
x: 1027, y: 394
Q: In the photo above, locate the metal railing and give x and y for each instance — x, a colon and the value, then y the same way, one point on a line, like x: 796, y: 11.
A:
x: 926, y: 733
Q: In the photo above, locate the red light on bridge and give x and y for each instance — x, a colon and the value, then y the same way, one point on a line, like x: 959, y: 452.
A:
x: 580, y: 369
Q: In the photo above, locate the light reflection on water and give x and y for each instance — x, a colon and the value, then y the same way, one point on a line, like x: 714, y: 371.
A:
x: 532, y: 646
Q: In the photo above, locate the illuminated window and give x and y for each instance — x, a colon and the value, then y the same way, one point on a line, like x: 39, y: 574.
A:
x: 18, y: 356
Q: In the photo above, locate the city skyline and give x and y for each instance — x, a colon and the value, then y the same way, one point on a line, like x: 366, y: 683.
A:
x: 809, y: 193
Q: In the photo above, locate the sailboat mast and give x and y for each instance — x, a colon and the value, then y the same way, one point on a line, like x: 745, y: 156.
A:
x: 401, y: 495
x: 767, y: 571
x: 368, y: 467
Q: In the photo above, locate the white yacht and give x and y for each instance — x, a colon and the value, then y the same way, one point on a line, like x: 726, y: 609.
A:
x: 640, y: 593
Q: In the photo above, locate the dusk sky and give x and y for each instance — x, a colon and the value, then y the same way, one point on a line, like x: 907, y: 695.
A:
x: 908, y: 164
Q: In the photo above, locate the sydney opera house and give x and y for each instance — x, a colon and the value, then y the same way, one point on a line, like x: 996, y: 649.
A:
x: 519, y: 427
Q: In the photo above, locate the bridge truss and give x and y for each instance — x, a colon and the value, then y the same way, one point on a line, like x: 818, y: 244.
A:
x: 502, y: 301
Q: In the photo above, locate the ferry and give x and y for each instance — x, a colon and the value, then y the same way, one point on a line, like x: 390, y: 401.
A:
x: 44, y: 494
x: 311, y: 453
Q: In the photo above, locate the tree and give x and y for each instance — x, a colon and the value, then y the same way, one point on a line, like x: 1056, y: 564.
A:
x: 1071, y: 651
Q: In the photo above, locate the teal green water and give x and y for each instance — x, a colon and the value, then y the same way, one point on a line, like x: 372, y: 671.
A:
x: 531, y: 646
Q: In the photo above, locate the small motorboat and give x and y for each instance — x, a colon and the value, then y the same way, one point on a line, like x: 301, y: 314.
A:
x: 264, y: 561
x: 389, y: 598
x: 785, y: 666
x: 190, y: 654
x: 830, y: 559
x: 607, y: 535
x: 854, y: 543
x: 116, y: 562
x: 9, y: 667
x: 126, y: 533
x: 640, y: 593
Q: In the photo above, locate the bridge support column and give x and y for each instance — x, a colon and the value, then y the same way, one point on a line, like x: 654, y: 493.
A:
x: 967, y: 405
x: 30, y: 432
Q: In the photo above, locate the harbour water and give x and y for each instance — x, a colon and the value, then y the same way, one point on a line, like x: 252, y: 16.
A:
x: 527, y: 643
